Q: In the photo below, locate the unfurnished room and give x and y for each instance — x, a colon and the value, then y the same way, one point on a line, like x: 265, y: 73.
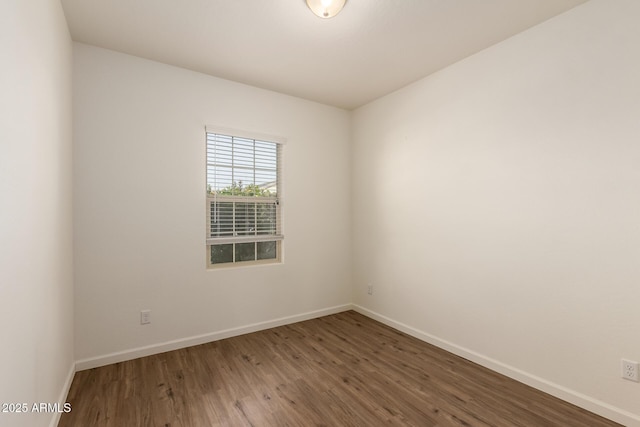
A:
x: 319, y: 213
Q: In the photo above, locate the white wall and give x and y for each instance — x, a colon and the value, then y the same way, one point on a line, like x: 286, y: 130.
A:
x: 497, y: 206
x: 140, y: 207
x: 36, y: 279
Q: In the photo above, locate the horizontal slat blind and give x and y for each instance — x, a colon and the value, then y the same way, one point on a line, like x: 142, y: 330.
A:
x: 241, y: 166
x: 242, y: 190
x: 236, y: 220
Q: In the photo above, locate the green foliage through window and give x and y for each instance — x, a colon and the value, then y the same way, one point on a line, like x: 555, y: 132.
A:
x: 238, y: 189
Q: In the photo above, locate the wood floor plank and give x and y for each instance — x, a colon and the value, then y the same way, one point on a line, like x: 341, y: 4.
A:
x: 339, y: 370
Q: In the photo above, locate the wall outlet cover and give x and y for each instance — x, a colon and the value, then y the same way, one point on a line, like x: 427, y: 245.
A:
x: 145, y: 317
x: 630, y: 370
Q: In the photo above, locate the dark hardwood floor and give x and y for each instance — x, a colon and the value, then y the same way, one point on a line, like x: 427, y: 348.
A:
x: 339, y: 370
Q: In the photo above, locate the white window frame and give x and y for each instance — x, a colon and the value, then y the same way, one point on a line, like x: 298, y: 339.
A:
x: 277, y: 201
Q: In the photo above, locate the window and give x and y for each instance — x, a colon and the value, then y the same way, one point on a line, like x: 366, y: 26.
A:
x: 244, y: 209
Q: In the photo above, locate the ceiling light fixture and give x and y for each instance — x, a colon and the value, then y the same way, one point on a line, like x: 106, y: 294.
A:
x: 326, y: 8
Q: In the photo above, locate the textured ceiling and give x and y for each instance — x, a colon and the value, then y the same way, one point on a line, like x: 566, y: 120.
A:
x: 370, y: 49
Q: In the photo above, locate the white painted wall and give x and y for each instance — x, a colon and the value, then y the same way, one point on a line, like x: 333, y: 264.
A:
x: 140, y: 206
x: 36, y: 270
x: 497, y: 206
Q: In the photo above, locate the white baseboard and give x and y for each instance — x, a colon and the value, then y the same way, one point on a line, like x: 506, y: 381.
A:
x: 55, y: 419
x: 590, y: 404
x: 135, y: 353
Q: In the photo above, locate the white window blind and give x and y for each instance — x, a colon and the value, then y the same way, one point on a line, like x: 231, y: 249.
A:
x: 244, y: 206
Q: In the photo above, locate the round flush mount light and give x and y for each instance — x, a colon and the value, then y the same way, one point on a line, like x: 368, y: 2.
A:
x: 326, y: 8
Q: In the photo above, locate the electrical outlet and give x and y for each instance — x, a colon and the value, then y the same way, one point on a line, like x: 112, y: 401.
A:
x: 630, y: 370
x: 370, y: 289
x: 145, y: 317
